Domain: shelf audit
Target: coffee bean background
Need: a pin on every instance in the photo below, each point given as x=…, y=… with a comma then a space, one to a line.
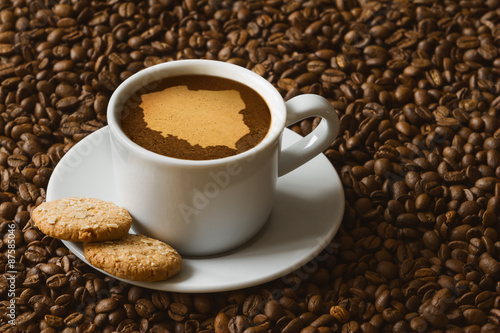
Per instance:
x=416, y=86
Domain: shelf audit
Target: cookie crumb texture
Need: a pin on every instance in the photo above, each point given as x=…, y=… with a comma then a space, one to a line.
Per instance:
x=80, y=219
x=134, y=257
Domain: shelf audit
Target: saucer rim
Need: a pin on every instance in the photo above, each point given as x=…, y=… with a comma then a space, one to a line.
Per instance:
x=226, y=285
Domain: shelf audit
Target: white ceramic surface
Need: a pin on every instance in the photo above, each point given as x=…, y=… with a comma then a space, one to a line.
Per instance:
x=210, y=206
x=307, y=213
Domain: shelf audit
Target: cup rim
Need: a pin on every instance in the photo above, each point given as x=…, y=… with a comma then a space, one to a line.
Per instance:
x=217, y=68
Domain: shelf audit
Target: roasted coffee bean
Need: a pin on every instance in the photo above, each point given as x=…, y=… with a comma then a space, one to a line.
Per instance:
x=50, y=269
x=221, y=323
x=333, y=76
x=294, y=325
x=238, y=324
x=161, y=300
x=145, y=308
x=434, y=315
x=253, y=305
x=418, y=324
x=490, y=266
x=339, y=313
x=106, y=305
x=351, y=327
x=474, y=316
x=36, y=254
x=74, y=319
x=54, y=321
x=176, y=311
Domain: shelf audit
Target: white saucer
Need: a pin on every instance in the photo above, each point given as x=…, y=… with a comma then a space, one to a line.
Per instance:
x=307, y=213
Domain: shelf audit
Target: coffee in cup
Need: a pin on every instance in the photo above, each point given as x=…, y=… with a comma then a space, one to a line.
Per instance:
x=196, y=117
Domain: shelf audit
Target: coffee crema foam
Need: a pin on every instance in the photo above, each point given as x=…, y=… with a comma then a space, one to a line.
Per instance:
x=196, y=117
x=210, y=124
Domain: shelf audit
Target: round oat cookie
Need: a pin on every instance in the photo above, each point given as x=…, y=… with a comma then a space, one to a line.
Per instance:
x=134, y=257
x=82, y=219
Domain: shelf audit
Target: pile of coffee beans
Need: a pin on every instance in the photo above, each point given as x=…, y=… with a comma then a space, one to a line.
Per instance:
x=416, y=85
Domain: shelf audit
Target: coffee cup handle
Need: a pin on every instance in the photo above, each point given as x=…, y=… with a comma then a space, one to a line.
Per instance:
x=299, y=108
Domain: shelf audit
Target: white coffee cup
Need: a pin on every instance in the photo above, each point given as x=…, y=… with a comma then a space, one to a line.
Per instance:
x=211, y=206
